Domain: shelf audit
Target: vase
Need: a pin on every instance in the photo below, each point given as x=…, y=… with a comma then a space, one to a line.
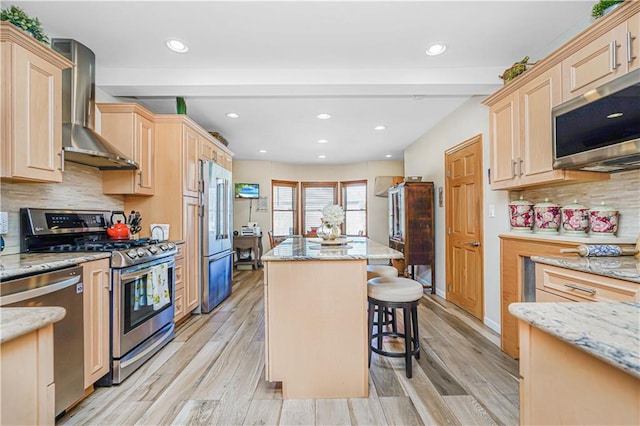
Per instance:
x=327, y=231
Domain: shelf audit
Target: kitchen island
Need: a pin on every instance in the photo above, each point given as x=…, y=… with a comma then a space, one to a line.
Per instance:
x=579, y=362
x=316, y=316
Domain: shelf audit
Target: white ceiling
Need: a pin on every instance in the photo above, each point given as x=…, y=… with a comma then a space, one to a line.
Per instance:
x=280, y=63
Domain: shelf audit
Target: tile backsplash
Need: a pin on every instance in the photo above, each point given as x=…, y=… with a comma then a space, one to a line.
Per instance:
x=81, y=188
x=621, y=191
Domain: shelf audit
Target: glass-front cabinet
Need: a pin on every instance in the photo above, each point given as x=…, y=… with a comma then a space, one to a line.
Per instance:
x=396, y=214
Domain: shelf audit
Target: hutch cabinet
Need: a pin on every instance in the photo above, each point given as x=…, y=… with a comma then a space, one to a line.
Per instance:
x=31, y=104
x=411, y=230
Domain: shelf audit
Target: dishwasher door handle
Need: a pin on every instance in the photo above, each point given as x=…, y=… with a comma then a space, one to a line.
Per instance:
x=40, y=291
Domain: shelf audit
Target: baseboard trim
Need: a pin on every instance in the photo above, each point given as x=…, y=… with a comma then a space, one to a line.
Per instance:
x=492, y=325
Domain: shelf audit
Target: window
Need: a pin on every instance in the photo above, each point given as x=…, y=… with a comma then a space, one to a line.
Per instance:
x=284, y=208
x=354, y=203
x=316, y=195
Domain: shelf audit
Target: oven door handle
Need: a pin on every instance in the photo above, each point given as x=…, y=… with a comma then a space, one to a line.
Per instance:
x=40, y=291
x=144, y=353
x=146, y=271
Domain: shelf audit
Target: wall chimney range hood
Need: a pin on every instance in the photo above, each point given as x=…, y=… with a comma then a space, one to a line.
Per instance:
x=80, y=143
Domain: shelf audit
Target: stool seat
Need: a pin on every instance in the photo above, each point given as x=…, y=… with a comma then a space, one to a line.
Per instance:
x=374, y=271
x=394, y=289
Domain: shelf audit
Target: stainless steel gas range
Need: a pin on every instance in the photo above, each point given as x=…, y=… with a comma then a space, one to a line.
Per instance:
x=142, y=280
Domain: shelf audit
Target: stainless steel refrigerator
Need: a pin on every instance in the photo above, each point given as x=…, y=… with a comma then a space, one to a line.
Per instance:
x=216, y=255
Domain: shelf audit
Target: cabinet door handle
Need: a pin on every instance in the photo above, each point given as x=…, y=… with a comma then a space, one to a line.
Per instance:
x=513, y=169
x=630, y=39
x=61, y=168
x=140, y=173
x=519, y=165
x=614, y=55
x=590, y=291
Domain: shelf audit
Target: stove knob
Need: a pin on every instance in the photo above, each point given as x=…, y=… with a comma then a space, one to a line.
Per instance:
x=132, y=254
x=153, y=249
x=171, y=246
x=164, y=247
x=141, y=252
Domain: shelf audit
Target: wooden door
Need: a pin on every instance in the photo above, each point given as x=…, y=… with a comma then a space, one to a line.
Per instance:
x=37, y=119
x=96, y=298
x=190, y=164
x=504, y=124
x=191, y=254
x=464, y=262
x=144, y=146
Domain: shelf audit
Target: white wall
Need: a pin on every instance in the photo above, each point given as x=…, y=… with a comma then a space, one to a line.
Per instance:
x=263, y=172
x=425, y=158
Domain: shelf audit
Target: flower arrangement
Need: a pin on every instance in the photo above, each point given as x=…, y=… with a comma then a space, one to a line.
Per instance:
x=20, y=19
x=332, y=214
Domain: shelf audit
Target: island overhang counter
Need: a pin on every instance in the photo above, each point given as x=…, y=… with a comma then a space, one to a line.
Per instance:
x=316, y=316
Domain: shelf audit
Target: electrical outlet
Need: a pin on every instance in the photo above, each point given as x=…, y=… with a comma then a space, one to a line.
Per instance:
x=4, y=223
x=492, y=210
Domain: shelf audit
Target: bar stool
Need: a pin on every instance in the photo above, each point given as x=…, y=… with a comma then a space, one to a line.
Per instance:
x=375, y=271
x=395, y=293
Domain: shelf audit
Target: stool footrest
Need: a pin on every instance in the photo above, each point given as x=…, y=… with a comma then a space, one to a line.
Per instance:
x=403, y=354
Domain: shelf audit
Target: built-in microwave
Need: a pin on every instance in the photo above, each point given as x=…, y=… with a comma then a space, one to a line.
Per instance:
x=600, y=130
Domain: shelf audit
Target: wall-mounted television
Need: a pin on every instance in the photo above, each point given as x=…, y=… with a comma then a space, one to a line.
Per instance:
x=247, y=190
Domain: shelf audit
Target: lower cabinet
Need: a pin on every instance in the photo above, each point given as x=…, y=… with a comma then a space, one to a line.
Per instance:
x=191, y=217
x=179, y=308
x=96, y=295
x=561, y=384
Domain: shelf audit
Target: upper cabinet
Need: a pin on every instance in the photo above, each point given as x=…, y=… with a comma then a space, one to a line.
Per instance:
x=521, y=127
x=609, y=56
x=31, y=105
x=129, y=127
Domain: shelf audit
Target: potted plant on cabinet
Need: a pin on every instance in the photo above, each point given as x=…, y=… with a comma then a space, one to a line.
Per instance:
x=20, y=19
x=603, y=7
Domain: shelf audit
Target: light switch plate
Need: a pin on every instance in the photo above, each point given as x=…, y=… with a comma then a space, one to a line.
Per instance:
x=4, y=223
x=492, y=210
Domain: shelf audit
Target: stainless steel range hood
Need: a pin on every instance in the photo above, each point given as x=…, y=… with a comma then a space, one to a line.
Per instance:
x=80, y=143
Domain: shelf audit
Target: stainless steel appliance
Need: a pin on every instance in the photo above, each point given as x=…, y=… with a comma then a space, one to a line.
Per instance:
x=216, y=256
x=600, y=130
x=57, y=288
x=138, y=330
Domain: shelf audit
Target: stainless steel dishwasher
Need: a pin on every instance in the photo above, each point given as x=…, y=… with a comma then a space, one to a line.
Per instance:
x=57, y=288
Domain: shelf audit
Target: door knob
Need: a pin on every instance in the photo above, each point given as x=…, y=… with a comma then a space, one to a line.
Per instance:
x=475, y=243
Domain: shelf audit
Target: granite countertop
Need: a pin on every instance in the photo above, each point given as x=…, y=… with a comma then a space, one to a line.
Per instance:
x=609, y=331
x=15, y=322
x=590, y=239
x=311, y=249
x=621, y=267
x=16, y=265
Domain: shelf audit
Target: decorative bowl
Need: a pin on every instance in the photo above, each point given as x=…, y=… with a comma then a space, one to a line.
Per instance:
x=521, y=215
x=603, y=220
x=575, y=219
x=547, y=216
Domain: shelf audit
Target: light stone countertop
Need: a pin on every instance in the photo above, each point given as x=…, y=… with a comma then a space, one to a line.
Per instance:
x=23, y=264
x=15, y=322
x=609, y=331
x=311, y=249
x=554, y=236
x=620, y=267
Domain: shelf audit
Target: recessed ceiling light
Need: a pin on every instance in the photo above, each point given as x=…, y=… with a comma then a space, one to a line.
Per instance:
x=615, y=115
x=322, y=141
x=232, y=115
x=177, y=46
x=388, y=155
x=436, y=49
x=324, y=116
x=322, y=156
x=262, y=151
x=379, y=127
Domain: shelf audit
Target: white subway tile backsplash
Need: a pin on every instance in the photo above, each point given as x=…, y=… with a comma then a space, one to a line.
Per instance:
x=81, y=188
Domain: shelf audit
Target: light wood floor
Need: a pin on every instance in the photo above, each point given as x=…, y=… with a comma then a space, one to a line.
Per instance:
x=213, y=373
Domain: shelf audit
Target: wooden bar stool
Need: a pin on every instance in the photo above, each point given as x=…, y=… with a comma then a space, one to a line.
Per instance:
x=375, y=271
x=395, y=293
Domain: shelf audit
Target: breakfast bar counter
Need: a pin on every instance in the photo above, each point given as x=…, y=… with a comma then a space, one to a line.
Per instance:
x=316, y=316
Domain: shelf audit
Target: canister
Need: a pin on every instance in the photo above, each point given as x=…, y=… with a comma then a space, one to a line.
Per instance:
x=521, y=215
x=603, y=220
x=547, y=217
x=575, y=219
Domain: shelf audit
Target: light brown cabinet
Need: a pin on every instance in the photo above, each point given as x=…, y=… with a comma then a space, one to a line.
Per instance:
x=609, y=56
x=521, y=136
x=191, y=253
x=129, y=127
x=96, y=299
x=191, y=155
x=561, y=384
x=31, y=104
x=179, y=310
x=27, y=386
